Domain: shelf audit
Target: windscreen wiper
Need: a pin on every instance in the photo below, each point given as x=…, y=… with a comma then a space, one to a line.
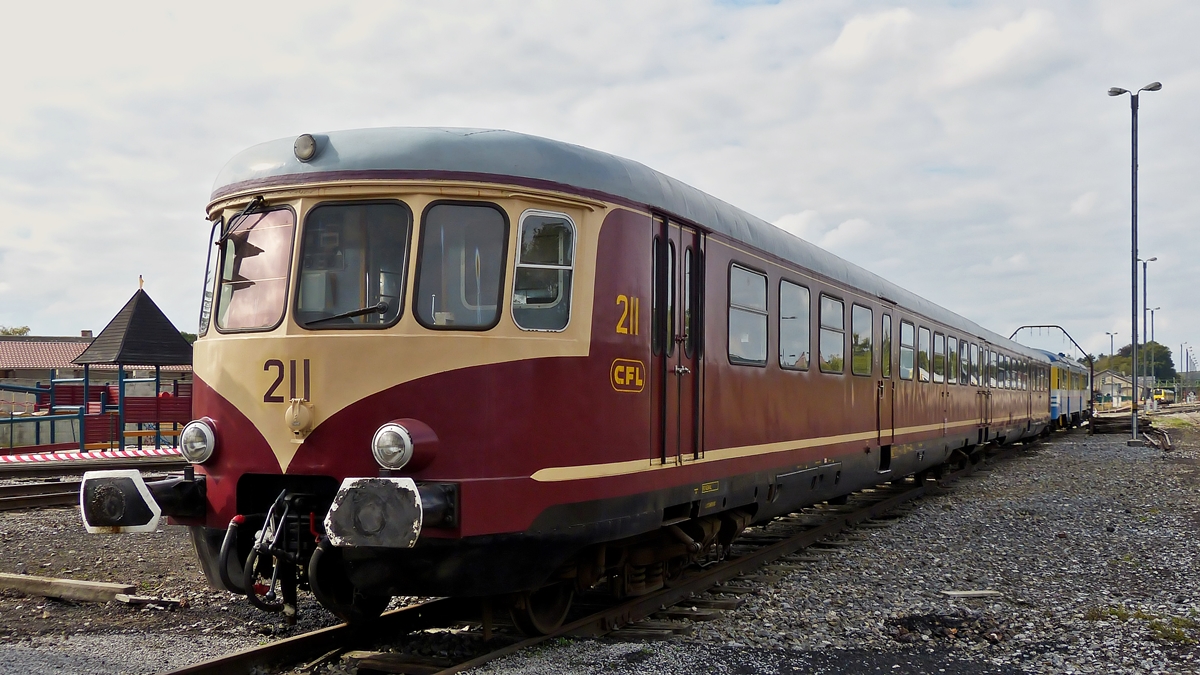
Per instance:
x=381, y=308
x=255, y=203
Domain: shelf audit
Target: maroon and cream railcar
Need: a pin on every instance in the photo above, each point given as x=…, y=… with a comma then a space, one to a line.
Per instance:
x=479, y=363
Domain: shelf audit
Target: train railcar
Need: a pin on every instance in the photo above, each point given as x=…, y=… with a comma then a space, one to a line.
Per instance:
x=481, y=363
x=1070, y=390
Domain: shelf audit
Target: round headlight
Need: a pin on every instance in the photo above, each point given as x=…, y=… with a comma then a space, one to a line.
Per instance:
x=197, y=442
x=392, y=446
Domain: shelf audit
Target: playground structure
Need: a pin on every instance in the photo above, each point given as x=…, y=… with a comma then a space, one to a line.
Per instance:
x=76, y=413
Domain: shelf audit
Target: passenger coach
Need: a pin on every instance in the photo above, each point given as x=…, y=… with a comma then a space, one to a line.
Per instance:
x=478, y=363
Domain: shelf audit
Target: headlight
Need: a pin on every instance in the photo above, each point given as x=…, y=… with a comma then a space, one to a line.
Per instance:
x=197, y=442
x=392, y=446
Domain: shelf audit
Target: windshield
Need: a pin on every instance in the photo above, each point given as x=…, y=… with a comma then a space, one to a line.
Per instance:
x=255, y=257
x=352, y=270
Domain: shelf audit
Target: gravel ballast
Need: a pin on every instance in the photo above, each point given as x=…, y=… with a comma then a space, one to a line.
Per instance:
x=1090, y=544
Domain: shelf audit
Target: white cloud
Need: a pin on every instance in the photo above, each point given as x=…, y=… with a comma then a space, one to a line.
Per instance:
x=867, y=37
x=1014, y=46
x=1084, y=204
x=806, y=224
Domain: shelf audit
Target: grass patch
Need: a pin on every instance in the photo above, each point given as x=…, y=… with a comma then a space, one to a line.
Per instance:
x=1174, y=422
x=1174, y=629
x=1116, y=612
x=1169, y=632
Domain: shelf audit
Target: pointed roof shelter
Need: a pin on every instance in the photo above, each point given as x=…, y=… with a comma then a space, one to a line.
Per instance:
x=139, y=335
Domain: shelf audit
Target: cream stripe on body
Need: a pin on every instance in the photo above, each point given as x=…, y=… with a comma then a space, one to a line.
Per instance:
x=564, y=473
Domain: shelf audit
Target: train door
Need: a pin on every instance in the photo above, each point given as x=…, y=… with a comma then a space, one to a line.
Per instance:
x=984, y=393
x=1027, y=382
x=678, y=298
x=885, y=399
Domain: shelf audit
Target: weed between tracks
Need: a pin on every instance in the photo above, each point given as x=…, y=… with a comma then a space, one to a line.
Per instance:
x=1165, y=628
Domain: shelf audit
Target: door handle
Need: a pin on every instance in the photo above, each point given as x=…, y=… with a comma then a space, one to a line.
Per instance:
x=682, y=370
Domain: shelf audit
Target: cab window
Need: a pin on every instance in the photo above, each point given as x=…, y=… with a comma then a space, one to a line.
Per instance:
x=256, y=254
x=352, y=265
x=461, y=272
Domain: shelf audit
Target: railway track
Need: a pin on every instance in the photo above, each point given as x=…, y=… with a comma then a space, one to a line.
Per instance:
x=38, y=495
x=752, y=558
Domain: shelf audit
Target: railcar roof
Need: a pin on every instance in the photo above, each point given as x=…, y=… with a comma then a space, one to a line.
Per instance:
x=1063, y=359
x=495, y=154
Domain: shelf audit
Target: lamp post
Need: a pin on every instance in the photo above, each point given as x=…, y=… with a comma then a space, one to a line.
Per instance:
x=1133, y=107
x=1110, y=348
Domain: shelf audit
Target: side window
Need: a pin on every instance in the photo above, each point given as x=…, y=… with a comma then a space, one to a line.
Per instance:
x=906, y=350
x=747, y=317
x=794, y=326
x=885, y=346
x=974, y=365
x=690, y=317
x=964, y=363
x=352, y=265
x=993, y=359
x=951, y=360
x=461, y=272
x=541, y=297
x=833, y=335
x=862, y=354
x=923, y=354
x=939, y=357
x=662, y=297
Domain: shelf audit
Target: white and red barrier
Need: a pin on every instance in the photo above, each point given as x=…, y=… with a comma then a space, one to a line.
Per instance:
x=131, y=453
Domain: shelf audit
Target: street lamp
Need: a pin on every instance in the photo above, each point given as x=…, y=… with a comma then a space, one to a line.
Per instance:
x=1110, y=348
x=1133, y=107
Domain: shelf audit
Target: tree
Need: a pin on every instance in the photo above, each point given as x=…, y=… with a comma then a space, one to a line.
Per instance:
x=14, y=330
x=190, y=337
x=1149, y=354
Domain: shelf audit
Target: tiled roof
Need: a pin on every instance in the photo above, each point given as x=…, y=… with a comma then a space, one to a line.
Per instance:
x=140, y=334
x=28, y=351
x=32, y=352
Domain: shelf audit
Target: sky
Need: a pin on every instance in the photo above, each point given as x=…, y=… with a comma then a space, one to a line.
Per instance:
x=964, y=150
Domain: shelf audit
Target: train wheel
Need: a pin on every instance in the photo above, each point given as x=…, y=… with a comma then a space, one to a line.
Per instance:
x=329, y=583
x=542, y=611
